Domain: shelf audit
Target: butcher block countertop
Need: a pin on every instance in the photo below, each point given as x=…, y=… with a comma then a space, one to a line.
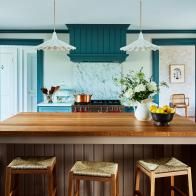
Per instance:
x=92, y=124
x=93, y=128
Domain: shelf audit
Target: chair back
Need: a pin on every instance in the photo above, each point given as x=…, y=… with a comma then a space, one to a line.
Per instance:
x=178, y=99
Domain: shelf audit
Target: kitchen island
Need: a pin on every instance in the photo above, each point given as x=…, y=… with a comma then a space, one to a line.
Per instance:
x=93, y=136
x=93, y=128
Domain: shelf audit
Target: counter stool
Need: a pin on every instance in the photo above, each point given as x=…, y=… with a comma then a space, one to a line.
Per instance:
x=168, y=167
x=41, y=165
x=93, y=171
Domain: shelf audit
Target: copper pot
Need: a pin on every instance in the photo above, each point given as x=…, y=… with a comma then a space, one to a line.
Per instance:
x=83, y=98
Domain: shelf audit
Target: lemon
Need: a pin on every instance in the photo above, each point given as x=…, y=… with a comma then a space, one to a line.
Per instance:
x=160, y=110
x=165, y=107
x=172, y=110
x=153, y=110
x=153, y=107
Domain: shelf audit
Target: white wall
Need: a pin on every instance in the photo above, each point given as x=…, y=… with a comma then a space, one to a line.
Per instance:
x=178, y=55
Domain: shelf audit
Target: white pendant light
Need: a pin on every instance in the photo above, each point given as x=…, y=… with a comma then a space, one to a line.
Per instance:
x=140, y=44
x=55, y=44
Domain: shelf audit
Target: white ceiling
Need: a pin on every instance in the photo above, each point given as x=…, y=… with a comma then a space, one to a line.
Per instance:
x=38, y=14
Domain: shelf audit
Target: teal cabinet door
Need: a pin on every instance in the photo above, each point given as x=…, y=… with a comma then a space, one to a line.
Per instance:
x=54, y=109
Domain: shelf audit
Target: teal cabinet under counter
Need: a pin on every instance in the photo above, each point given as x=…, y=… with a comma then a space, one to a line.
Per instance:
x=54, y=107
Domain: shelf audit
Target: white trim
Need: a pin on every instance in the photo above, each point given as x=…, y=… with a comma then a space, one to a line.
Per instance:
x=25, y=90
x=16, y=99
x=20, y=79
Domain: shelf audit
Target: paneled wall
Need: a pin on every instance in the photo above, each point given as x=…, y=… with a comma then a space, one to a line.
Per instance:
x=125, y=155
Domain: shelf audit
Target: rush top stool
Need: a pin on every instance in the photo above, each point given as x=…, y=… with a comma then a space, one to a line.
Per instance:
x=93, y=171
x=39, y=165
x=167, y=167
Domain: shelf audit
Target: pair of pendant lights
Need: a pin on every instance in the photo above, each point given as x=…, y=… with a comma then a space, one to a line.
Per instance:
x=55, y=44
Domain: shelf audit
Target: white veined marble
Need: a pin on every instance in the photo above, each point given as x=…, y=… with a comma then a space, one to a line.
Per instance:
x=97, y=79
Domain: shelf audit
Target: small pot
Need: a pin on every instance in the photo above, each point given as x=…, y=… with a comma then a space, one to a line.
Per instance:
x=83, y=98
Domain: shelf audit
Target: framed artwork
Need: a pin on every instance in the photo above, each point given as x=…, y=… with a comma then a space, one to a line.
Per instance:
x=177, y=73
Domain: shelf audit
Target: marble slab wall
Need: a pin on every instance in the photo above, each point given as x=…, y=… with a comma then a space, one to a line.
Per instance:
x=97, y=79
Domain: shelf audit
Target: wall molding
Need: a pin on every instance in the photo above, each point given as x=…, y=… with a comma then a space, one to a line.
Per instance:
x=164, y=31
x=155, y=57
x=145, y=31
x=33, y=31
x=40, y=59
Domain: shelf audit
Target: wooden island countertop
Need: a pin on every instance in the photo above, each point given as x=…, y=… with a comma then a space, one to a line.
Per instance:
x=100, y=128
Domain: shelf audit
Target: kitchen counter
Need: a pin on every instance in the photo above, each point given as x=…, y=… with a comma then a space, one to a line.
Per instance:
x=94, y=128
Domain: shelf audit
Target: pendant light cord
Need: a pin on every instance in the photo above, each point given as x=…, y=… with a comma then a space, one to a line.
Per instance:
x=54, y=15
x=140, y=15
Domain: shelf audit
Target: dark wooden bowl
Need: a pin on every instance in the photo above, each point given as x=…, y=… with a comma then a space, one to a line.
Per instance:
x=162, y=119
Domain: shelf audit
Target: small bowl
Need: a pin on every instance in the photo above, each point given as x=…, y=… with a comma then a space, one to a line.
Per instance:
x=162, y=119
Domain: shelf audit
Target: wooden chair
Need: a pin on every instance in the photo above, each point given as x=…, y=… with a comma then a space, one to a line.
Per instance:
x=180, y=101
x=93, y=171
x=41, y=165
x=168, y=167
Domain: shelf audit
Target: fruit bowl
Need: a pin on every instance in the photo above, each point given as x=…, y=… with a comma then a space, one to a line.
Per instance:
x=162, y=119
x=162, y=115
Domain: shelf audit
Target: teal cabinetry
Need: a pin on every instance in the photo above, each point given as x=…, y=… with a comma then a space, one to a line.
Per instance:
x=54, y=109
x=98, y=42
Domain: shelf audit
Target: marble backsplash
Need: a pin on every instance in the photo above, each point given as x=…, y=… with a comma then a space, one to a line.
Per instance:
x=97, y=79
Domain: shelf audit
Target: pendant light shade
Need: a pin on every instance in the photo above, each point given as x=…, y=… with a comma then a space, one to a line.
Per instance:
x=140, y=44
x=54, y=44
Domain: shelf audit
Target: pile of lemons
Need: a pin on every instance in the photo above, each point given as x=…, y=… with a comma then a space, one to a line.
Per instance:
x=161, y=110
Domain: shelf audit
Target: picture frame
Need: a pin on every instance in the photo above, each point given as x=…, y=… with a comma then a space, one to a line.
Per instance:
x=177, y=73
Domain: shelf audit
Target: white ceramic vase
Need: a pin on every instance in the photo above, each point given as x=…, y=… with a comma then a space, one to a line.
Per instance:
x=142, y=112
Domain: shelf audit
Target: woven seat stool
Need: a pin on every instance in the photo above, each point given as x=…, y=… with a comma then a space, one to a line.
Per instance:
x=38, y=165
x=93, y=171
x=167, y=167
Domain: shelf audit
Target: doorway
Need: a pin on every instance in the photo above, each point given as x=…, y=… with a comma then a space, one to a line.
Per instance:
x=25, y=70
x=156, y=63
x=8, y=82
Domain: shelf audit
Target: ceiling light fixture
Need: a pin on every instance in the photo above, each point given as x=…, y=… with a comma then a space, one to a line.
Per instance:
x=140, y=44
x=55, y=44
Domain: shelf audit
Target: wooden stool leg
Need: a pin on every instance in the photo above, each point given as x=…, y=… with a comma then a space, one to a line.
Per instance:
x=190, y=182
x=172, y=185
x=152, y=185
x=137, y=181
x=117, y=184
x=54, y=180
x=70, y=187
x=77, y=188
x=113, y=185
x=50, y=183
x=8, y=181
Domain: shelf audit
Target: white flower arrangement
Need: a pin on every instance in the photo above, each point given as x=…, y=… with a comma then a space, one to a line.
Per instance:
x=137, y=88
